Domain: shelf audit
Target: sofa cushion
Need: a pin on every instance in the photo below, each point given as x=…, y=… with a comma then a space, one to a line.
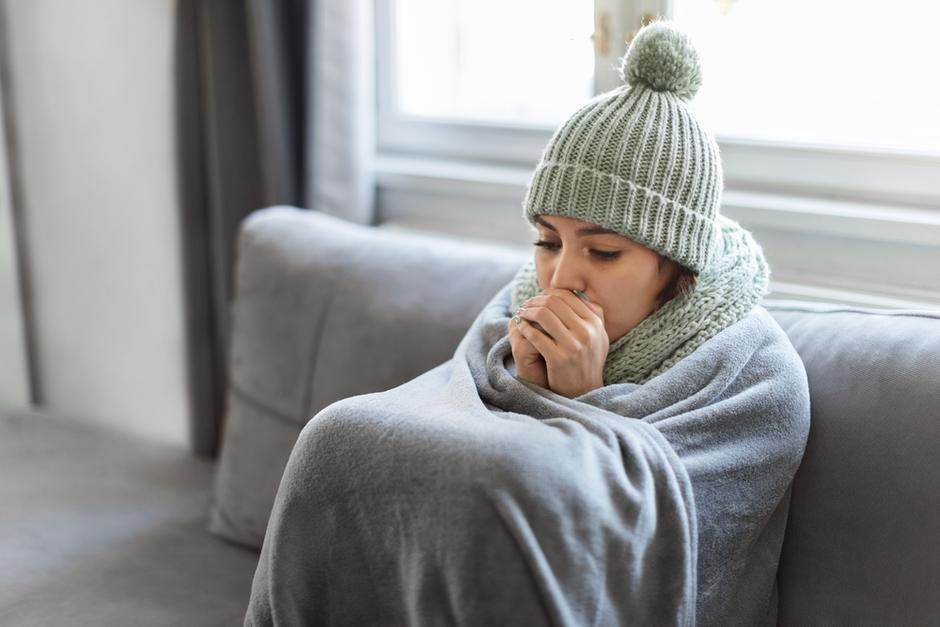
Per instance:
x=322, y=309
x=862, y=545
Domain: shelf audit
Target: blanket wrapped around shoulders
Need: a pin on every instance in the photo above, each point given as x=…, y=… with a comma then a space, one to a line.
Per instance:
x=467, y=496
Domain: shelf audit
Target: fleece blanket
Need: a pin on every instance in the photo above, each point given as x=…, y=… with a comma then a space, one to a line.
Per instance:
x=467, y=496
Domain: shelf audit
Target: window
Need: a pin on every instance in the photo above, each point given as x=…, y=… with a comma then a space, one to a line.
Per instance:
x=833, y=73
x=822, y=112
x=533, y=64
x=455, y=81
x=803, y=97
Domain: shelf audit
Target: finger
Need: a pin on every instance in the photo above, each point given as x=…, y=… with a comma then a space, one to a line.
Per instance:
x=553, y=326
x=515, y=334
x=561, y=310
x=518, y=343
x=570, y=309
x=576, y=330
x=539, y=340
x=581, y=307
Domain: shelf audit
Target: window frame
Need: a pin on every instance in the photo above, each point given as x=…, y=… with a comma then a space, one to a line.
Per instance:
x=827, y=171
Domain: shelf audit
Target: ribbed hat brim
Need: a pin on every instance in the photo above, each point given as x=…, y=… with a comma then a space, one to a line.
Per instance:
x=634, y=211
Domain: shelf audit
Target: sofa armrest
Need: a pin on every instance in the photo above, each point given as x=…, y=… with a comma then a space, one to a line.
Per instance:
x=326, y=309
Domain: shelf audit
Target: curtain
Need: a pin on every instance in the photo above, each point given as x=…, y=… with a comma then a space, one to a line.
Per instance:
x=274, y=106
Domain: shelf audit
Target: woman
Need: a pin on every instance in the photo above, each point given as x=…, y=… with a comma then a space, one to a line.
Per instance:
x=574, y=252
x=619, y=450
x=626, y=201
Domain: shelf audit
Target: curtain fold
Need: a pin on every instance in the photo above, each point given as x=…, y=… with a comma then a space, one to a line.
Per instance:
x=274, y=106
x=277, y=44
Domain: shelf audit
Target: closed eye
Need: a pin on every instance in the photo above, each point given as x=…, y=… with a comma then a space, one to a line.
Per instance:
x=552, y=247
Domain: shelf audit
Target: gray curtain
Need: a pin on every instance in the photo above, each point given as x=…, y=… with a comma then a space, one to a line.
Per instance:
x=244, y=136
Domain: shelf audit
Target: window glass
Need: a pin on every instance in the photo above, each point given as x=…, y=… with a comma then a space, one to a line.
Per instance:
x=845, y=72
x=524, y=61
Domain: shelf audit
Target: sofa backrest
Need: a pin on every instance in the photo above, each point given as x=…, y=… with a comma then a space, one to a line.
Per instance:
x=323, y=305
x=862, y=545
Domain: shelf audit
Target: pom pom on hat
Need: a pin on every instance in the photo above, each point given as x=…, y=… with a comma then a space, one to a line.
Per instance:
x=663, y=58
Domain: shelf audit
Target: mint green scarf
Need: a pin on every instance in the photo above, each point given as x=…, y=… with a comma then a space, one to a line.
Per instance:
x=726, y=292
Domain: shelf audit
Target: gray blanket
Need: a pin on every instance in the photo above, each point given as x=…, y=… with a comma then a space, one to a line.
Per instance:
x=468, y=497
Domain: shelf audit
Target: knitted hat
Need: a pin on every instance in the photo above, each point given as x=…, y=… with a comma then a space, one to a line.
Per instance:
x=635, y=160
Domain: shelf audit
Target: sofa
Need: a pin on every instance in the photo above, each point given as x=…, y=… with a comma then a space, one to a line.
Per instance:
x=101, y=529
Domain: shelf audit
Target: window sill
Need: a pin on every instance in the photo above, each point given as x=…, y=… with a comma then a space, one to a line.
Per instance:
x=882, y=252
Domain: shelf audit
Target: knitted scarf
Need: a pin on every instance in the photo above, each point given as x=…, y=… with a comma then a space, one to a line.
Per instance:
x=726, y=291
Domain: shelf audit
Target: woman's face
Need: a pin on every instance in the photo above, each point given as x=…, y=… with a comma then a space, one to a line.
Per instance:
x=617, y=273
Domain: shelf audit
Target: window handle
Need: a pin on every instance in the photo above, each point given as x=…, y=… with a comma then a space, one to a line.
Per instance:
x=601, y=36
x=645, y=19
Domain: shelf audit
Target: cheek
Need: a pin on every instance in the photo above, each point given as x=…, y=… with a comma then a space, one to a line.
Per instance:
x=629, y=293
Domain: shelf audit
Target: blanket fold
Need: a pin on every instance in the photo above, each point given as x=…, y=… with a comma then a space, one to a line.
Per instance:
x=469, y=497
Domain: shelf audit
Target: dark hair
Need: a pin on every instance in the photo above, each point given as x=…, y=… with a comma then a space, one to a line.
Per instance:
x=683, y=280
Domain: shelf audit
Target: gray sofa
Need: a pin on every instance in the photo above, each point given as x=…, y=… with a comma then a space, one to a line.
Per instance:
x=115, y=532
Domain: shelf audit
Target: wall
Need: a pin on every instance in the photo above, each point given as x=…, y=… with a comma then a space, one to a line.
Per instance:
x=14, y=377
x=90, y=94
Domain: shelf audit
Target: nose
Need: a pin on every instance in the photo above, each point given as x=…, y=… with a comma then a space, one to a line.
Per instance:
x=570, y=270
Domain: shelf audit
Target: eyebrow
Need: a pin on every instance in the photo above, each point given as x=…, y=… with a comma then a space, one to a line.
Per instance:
x=586, y=230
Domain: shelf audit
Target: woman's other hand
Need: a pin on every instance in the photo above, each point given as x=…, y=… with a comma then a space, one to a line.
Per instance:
x=530, y=365
x=569, y=334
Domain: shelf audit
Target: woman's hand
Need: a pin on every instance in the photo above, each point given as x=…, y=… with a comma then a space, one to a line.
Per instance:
x=572, y=340
x=530, y=365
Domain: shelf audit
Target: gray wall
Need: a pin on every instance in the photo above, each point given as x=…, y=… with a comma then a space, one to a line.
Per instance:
x=91, y=98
